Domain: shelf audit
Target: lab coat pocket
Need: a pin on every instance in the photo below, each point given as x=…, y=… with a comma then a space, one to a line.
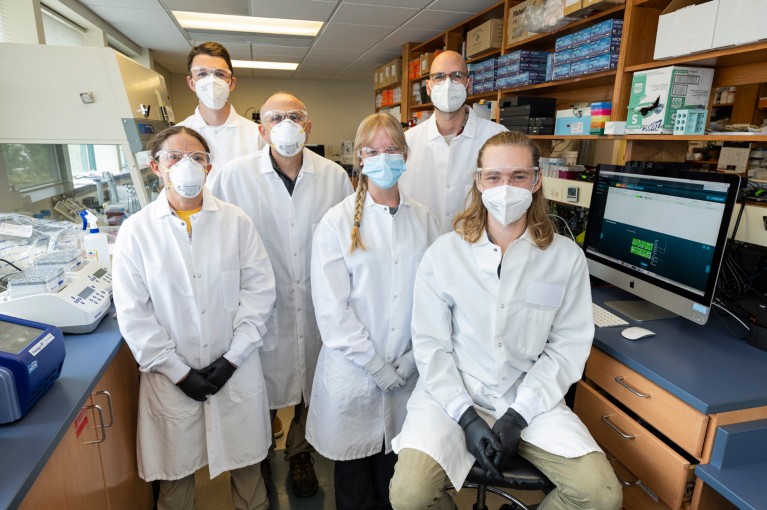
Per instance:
x=230, y=287
x=247, y=382
x=342, y=377
x=536, y=326
x=163, y=400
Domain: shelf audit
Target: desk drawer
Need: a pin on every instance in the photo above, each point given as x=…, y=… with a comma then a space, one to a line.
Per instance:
x=662, y=470
x=678, y=421
x=635, y=497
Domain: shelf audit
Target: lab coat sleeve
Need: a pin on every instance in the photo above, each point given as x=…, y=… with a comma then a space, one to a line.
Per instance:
x=150, y=343
x=339, y=326
x=257, y=294
x=432, y=339
x=564, y=356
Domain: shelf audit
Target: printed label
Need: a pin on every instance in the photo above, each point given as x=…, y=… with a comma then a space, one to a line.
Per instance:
x=39, y=346
x=9, y=229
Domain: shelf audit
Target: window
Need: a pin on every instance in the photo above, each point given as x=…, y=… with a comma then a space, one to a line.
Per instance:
x=11, y=12
x=60, y=31
x=30, y=166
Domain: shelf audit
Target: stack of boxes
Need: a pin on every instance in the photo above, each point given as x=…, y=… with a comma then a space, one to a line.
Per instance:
x=388, y=74
x=530, y=115
x=590, y=50
x=600, y=114
x=520, y=68
x=482, y=76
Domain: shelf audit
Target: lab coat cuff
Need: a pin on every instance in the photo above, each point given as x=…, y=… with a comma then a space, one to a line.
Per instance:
x=456, y=407
x=375, y=364
x=240, y=348
x=527, y=404
x=173, y=368
x=363, y=358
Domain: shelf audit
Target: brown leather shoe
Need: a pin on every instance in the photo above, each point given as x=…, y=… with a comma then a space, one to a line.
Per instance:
x=277, y=427
x=302, y=476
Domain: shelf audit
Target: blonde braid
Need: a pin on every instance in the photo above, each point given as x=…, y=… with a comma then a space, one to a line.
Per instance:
x=359, y=202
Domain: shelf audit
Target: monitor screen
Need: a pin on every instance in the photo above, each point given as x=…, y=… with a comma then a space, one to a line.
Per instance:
x=660, y=235
x=319, y=149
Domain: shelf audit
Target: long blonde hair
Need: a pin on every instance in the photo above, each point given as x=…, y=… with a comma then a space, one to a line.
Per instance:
x=472, y=221
x=366, y=131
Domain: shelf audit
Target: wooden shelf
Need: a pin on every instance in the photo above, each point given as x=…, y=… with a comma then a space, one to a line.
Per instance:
x=485, y=54
x=576, y=137
x=587, y=80
x=747, y=54
x=655, y=4
x=701, y=138
x=391, y=86
x=493, y=94
x=388, y=106
x=421, y=107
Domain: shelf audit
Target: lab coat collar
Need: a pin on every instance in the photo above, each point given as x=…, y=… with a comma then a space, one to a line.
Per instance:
x=307, y=165
x=197, y=122
x=485, y=240
x=163, y=207
x=403, y=200
x=469, y=130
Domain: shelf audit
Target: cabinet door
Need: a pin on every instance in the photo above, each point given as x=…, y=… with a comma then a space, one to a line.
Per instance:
x=72, y=479
x=118, y=453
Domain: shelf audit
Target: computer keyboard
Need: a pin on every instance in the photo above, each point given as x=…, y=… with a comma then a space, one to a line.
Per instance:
x=606, y=319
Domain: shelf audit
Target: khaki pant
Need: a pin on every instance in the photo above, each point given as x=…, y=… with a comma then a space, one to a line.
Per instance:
x=295, y=442
x=248, y=491
x=586, y=482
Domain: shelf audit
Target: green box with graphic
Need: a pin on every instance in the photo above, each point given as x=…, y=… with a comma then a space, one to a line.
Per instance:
x=657, y=94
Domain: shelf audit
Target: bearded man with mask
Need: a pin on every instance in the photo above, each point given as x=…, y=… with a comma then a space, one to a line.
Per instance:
x=211, y=77
x=286, y=189
x=443, y=149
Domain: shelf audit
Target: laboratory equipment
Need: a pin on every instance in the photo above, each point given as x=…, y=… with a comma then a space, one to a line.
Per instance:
x=75, y=305
x=659, y=235
x=95, y=243
x=31, y=357
x=70, y=260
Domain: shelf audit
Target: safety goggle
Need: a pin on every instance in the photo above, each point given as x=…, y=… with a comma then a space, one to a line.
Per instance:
x=371, y=152
x=277, y=116
x=200, y=72
x=456, y=77
x=512, y=176
x=173, y=156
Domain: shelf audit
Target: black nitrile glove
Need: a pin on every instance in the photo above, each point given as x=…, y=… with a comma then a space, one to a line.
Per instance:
x=480, y=441
x=508, y=429
x=218, y=372
x=196, y=386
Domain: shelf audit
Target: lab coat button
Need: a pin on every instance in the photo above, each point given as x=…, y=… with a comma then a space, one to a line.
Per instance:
x=503, y=306
x=393, y=329
x=206, y=346
x=199, y=275
x=388, y=358
x=448, y=186
x=300, y=336
x=500, y=344
x=299, y=309
x=504, y=378
x=203, y=312
x=395, y=296
x=396, y=261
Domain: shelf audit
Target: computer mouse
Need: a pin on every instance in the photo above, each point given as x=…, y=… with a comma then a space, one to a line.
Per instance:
x=635, y=333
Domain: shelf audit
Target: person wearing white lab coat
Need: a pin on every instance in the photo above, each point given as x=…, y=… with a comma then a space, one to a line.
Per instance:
x=364, y=257
x=211, y=77
x=443, y=149
x=502, y=327
x=193, y=288
x=286, y=189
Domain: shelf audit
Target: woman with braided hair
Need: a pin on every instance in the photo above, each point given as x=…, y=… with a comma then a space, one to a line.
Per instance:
x=364, y=258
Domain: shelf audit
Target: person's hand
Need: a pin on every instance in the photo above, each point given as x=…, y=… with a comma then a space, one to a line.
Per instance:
x=481, y=442
x=508, y=429
x=405, y=365
x=196, y=386
x=384, y=374
x=218, y=372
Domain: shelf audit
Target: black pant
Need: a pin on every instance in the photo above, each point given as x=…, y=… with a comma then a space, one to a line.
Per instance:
x=363, y=484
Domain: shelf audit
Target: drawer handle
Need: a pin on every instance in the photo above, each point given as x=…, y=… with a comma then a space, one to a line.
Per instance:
x=111, y=407
x=606, y=419
x=619, y=380
x=100, y=412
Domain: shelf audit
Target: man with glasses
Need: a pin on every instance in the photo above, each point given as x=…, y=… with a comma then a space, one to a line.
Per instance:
x=443, y=149
x=211, y=77
x=286, y=189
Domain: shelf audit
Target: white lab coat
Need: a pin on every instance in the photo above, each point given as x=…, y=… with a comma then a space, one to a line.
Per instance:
x=183, y=303
x=440, y=175
x=516, y=341
x=286, y=224
x=234, y=138
x=363, y=303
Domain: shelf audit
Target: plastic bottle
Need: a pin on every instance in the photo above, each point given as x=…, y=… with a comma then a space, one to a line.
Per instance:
x=95, y=243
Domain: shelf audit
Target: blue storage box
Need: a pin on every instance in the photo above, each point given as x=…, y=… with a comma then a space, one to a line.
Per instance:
x=580, y=67
x=612, y=27
x=564, y=42
x=603, y=62
x=573, y=122
x=561, y=71
x=563, y=56
x=581, y=37
x=606, y=44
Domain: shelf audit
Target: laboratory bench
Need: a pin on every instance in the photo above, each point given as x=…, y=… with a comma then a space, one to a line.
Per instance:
x=657, y=406
x=59, y=455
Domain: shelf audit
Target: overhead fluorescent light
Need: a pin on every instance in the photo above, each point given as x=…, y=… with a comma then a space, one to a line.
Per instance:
x=249, y=24
x=255, y=64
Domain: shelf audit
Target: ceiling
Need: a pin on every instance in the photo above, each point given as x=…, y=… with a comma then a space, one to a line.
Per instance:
x=357, y=35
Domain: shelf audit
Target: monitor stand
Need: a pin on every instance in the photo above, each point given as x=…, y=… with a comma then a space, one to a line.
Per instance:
x=640, y=310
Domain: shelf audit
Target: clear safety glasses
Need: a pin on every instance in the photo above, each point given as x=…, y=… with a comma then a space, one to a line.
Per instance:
x=512, y=176
x=456, y=77
x=169, y=158
x=371, y=152
x=200, y=72
x=273, y=117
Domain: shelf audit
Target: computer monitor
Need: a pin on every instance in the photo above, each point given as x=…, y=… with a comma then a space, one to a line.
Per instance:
x=319, y=149
x=661, y=236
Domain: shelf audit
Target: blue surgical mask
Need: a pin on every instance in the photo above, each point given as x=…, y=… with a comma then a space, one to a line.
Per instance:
x=385, y=169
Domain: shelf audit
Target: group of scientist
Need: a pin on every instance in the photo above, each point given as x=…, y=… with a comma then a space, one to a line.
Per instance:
x=429, y=320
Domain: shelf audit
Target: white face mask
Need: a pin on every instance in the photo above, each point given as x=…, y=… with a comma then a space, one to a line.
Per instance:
x=287, y=138
x=507, y=203
x=186, y=177
x=448, y=96
x=212, y=91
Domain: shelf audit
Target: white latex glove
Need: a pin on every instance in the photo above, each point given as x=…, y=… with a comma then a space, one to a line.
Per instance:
x=405, y=365
x=384, y=374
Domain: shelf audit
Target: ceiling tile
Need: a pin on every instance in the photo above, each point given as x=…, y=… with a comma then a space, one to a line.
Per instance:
x=232, y=7
x=416, y=4
x=348, y=34
x=407, y=34
x=312, y=10
x=436, y=20
x=316, y=52
x=135, y=4
x=373, y=15
x=473, y=7
x=277, y=51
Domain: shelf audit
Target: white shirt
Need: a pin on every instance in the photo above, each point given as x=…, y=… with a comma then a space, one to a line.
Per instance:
x=516, y=341
x=363, y=301
x=234, y=138
x=440, y=175
x=286, y=224
x=182, y=304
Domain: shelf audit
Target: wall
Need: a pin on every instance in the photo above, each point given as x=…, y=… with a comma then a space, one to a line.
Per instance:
x=335, y=107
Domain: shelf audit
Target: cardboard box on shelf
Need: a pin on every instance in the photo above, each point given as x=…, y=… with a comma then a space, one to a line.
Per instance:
x=518, y=29
x=657, y=94
x=395, y=70
x=426, y=60
x=486, y=36
x=742, y=22
x=573, y=121
x=685, y=27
